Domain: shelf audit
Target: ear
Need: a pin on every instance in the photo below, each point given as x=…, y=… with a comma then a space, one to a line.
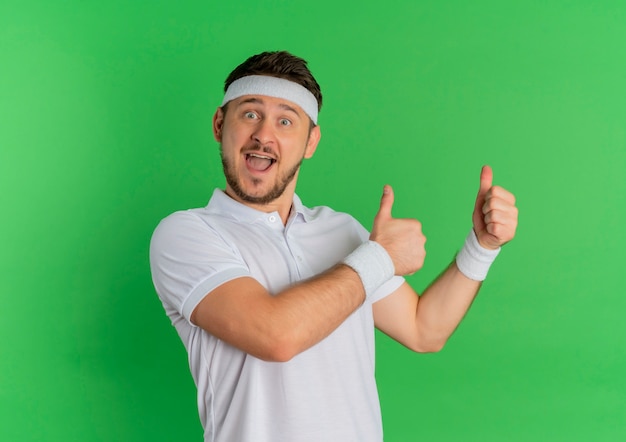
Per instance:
x=218, y=123
x=311, y=144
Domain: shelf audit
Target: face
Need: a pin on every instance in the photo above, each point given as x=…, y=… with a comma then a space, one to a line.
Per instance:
x=263, y=142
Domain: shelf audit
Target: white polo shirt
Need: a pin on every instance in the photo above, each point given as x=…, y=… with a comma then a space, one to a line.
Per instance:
x=326, y=393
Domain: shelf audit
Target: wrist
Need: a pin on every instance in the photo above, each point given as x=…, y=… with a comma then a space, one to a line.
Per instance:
x=474, y=260
x=373, y=265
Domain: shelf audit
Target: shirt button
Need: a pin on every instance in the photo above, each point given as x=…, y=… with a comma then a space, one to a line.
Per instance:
x=272, y=218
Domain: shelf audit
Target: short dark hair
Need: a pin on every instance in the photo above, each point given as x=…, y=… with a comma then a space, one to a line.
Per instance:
x=279, y=64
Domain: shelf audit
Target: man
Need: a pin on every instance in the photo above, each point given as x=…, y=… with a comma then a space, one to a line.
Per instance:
x=276, y=303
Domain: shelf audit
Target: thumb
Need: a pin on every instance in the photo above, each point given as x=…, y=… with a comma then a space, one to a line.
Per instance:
x=386, y=203
x=486, y=180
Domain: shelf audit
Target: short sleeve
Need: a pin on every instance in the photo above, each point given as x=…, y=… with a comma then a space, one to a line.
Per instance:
x=188, y=259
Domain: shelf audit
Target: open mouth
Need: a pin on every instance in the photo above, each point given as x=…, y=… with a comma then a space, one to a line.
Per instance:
x=259, y=162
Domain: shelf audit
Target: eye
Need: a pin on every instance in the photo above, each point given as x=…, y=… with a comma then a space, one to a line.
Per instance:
x=250, y=115
x=284, y=122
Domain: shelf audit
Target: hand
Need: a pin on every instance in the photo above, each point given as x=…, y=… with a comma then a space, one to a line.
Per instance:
x=495, y=214
x=402, y=238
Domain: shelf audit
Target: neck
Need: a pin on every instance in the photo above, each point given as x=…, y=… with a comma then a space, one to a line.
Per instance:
x=282, y=204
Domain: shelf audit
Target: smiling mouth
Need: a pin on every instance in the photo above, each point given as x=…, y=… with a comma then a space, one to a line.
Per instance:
x=259, y=162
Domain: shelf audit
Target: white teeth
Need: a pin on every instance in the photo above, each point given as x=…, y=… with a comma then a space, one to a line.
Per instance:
x=259, y=156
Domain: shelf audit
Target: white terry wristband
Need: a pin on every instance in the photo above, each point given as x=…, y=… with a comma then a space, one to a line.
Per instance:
x=474, y=260
x=373, y=265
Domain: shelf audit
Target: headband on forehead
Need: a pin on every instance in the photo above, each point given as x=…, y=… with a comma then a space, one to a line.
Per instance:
x=273, y=87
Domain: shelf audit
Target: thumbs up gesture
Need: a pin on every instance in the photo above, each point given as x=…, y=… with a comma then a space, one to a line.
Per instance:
x=402, y=238
x=495, y=214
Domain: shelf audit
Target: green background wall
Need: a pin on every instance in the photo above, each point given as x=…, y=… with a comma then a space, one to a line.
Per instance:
x=105, y=111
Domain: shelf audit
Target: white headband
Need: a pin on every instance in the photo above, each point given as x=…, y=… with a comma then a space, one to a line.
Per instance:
x=273, y=87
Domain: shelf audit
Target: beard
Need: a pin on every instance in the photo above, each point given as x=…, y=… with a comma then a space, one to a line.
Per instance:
x=273, y=193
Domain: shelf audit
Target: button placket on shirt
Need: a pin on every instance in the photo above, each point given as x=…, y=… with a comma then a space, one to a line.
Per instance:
x=296, y=252
x=273, y=221
x=275, y=225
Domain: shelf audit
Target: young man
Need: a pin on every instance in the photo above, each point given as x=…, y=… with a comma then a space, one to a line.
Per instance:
x=276, y=303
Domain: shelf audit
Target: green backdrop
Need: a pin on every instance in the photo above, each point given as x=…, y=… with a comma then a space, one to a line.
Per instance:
x=105, y=111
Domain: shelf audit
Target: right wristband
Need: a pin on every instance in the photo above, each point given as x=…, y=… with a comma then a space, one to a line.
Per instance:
x=373, y=265
x=474, y=260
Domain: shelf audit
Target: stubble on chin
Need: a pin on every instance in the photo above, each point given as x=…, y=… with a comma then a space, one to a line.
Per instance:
x=272, y=194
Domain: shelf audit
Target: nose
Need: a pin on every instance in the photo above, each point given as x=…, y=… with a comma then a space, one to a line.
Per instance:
x=263, y=132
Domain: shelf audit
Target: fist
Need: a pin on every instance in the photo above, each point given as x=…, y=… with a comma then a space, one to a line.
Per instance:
x=401, y=238
x=495, y=214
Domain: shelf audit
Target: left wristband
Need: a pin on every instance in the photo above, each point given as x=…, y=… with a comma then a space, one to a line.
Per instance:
x=474, y=260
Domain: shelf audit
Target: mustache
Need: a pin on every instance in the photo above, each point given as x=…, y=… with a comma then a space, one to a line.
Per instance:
x=257, y=147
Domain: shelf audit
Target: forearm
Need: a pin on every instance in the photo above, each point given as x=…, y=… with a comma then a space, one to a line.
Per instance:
x=311, y=310
x=443, y=305
x=304, y=314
